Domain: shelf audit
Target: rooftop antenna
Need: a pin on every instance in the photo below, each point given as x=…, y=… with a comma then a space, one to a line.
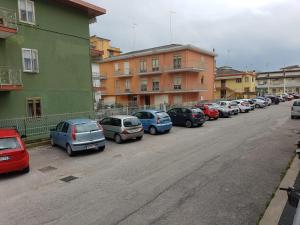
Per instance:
x=171, y=31
x=134, y=36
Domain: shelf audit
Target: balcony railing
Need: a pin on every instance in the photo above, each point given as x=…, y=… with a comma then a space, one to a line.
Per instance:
x=10, y=79
x=189, y=66
x=172, y=88
x=124, y=91
x=120, y=73
x=151, y=71
x=8, y=23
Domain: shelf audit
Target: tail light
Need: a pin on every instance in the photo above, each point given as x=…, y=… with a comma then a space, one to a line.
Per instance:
x=158, y=120
x=74, y=132
x=194, y=115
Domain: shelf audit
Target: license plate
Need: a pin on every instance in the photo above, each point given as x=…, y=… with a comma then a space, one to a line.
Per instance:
x=4, y=158
x=91, y=147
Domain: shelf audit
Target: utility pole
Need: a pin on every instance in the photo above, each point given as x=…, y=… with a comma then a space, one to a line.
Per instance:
x=171, y=32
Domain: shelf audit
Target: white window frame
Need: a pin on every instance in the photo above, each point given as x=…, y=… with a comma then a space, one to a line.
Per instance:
x=117, y=67
x=32, y=51
x=33, y=13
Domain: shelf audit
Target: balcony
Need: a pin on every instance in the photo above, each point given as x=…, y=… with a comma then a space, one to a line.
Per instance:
x=172, y=88
x=8, y=23
x=152, y=71
x=10, y=79
x=121, y=74
x=125, y=91
x=189, y=66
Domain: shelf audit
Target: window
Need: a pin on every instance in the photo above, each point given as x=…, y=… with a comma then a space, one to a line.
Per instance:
x=177, y=62
x=177, y=99
x=30, y=60
x=177, y=83
x=127, y=85
x=117, y=68
x=115, y=122
x=155, y=64
x=26, y=11
x=246, y=89
x=155, y=85
x=106, y=121
x=126, y=68
x=246, y=79
x=59, y=126
x=238, y=80
x=96, y=82
x=143, y=66
x=65, y=128
x=202, y=80
x=144, y=85
x=34, y=107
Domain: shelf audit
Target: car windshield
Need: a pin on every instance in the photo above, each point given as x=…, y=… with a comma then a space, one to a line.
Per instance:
x=162, y=114
x=86, y=127
x=296, y=103
x=9, y=143
x=131, y=122
x=196, y=110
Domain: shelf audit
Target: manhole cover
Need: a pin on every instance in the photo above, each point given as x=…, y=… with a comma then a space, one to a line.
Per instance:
x=68, y=178
x=47, y=169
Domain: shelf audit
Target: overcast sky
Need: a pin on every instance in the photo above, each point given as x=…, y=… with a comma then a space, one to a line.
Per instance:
x=246, y=34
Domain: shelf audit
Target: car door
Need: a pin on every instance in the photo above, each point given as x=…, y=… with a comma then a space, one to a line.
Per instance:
x=56, y=133
x=173, y=115
x=106, y=124
x=142, y=118
x=64, y=134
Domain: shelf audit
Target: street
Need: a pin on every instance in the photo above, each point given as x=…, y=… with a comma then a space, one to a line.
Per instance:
x=222, y=173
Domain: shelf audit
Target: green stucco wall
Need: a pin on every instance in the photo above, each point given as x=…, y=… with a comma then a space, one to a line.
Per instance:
x=61, y=36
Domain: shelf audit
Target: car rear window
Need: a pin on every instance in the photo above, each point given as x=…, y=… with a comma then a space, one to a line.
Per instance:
x=131, y=122
x=196, y=110
x=162, y=114
x=9, y=143
x=296, y=103
x=86, y=127
x=233, y=104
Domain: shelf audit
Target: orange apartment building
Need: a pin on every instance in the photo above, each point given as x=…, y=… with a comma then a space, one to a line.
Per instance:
x=171, y=74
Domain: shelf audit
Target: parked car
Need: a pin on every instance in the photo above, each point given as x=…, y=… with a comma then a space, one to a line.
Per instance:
x=274, y=99
x=230, y=105
x=78, y=135
x=154, y=121
x=122, y=128
x=268, y=101
x=259, y=103
x=223, y=111
x=209, y=112
x=281, y=98
x=295, y=112
x=251, y=103
x=188, y=117
x=243, y=106
x=13, y=153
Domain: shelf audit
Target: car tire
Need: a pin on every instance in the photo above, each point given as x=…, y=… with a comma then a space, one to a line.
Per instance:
x=216, y=118
x=118, y=139
x=101, y=149
x=152, y=130
x=167, y=131
x=292, y=117
x=52, y=142
x=257, y=106
x=26, y=170
x=207, y=117
x=70, y=152
x=188, y=124
x=139, y=138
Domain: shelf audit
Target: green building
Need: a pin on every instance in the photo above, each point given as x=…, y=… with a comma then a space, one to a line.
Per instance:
x=45, y=65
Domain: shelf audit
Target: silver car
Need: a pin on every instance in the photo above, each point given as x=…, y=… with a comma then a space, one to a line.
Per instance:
x=122, y=128
x=295, y=109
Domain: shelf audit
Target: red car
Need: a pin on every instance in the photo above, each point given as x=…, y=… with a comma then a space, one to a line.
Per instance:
x=209, y=113
x=13, y=153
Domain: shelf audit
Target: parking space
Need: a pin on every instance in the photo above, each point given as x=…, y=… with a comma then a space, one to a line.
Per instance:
x=188, y=176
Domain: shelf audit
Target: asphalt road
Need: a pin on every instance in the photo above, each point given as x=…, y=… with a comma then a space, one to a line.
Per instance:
x=219, y=174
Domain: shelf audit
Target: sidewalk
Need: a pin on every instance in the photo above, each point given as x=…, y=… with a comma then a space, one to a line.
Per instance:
x=279, y=212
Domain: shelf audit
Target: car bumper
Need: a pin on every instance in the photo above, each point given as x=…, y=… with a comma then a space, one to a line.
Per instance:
x=198, y=121
x=164, y=127
x=11, y=166
x=132, y=136
x=295, y=113
x=82, y=146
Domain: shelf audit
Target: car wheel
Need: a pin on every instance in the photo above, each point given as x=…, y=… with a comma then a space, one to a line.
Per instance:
x=52, y=142
x=152, y=130
x=69, y=150
x=207, y=117
x=292, y=117
x=118, y=139
x=216, y=118
x=188, y=124
x=26, y=170
x=257, y=106
x=167, y=131
x=101, y=149
x=139, y=138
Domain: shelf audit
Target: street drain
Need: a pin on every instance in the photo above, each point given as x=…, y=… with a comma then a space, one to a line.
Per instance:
x=68, y=178
x=47, y=169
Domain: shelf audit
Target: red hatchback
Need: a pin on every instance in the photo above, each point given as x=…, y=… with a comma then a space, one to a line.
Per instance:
x=13, y=153
x=210, y=113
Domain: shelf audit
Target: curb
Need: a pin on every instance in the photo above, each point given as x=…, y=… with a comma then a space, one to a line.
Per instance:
x=273, y=212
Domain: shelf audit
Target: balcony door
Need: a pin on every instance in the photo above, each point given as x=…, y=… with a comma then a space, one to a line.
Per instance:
x=126, y=68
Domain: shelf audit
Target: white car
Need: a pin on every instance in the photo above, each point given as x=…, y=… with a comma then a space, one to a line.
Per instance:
x=230, y=105
x=243, y=106
x=295, y=109
x=259, y=103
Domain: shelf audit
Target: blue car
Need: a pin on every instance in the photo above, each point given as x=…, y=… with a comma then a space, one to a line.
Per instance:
x=154, y=121
x=78, y=135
